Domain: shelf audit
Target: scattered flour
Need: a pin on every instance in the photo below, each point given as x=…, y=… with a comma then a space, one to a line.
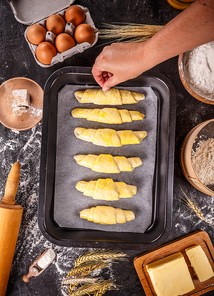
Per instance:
x=199, y=70
x=35, y=112
x=203, y=161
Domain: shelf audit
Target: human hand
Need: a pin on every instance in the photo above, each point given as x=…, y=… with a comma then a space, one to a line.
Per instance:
x=118, y=63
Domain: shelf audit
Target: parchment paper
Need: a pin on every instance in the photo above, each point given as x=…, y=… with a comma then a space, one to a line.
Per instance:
x=68, y=202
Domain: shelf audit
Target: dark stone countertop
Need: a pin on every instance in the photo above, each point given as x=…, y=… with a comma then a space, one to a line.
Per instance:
x=16, y=60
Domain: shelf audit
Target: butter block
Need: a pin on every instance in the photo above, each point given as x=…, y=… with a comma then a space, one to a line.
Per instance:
x=21, y=98
x=199, y=263
x=170, y=276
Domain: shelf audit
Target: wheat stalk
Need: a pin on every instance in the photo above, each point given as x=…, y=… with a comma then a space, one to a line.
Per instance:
x=89, y=288
x=79, y=280
x=129, y=32
x=106, y=287
x=99, y=255
x=87, y=268
x=84, y=265
x=191, y=205
x=76, y=281
x=84, y=270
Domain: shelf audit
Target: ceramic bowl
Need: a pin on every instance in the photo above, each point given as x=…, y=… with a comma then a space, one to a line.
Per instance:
x=29, y=118
x=185, y=83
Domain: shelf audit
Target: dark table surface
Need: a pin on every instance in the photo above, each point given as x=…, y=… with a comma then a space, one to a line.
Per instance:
x=16, y=60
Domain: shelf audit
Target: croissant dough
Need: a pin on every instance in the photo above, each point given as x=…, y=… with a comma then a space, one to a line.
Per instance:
x=107, y=215
x=106, y=189
x=107, y=115
x=113, y=96
x=106, y=163
x=109, y=137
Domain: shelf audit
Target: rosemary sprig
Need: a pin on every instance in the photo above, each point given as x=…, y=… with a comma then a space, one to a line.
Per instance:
x=100, y=255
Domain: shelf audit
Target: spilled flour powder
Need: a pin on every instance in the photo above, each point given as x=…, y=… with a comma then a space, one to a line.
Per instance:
x=203, y=161
x=25, y=147
x=199, y=70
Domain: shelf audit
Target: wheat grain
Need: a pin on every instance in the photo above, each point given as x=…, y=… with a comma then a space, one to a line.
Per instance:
x=78, y=280
x=85, y=269
x=106, y=287
x=191, y=205
x=129, y=32
x=89, y=288
x=100, y=255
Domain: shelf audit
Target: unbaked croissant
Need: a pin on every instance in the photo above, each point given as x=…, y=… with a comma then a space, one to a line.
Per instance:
x=107, y=115
x=113, y=96
x=106, y=163
x=109, y=137
x=106, y=189
x=107, y=215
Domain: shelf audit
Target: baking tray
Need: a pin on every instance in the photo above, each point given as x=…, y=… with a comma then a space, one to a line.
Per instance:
x=164, y=164
x=200, y=238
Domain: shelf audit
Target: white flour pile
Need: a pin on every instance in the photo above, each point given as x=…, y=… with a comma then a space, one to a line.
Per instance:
x=199, y=70
x=203, y=162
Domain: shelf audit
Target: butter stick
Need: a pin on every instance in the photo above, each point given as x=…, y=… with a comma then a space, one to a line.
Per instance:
x=199, y=263
x=170, y=276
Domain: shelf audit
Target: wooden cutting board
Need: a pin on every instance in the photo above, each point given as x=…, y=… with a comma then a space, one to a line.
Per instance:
x=197, y=238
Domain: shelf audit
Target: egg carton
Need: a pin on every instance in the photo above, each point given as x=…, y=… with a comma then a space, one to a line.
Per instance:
x=78, y=48
x=24, y=12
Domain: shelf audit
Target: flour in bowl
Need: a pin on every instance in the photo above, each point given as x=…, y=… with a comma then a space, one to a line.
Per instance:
x=203, y=161
x=199, y=70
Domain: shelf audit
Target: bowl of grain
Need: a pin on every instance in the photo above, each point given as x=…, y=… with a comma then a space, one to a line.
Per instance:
x=197, y=157
x=196, y=71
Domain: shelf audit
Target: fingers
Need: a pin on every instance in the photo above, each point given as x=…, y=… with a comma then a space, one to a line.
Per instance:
x=100, y=68
x=107, y=82
x=106, y=75
x=110, y=82
x=108, y=69
x=102, y=78
x=98, y=75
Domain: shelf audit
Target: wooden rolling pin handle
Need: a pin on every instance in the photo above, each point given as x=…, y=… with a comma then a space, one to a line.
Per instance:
x=12, y=185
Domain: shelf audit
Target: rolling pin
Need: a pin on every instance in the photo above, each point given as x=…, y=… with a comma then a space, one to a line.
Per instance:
x=10, y=219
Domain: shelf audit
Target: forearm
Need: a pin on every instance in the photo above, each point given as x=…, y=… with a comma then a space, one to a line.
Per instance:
x=191, y=28
x=122, y=61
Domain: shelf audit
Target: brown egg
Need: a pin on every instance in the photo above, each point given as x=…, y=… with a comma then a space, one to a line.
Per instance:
x=84, y=33
x=55, y=23
x=45, y=51
x=36, y=34
x=64, y=42
x=75, y=15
